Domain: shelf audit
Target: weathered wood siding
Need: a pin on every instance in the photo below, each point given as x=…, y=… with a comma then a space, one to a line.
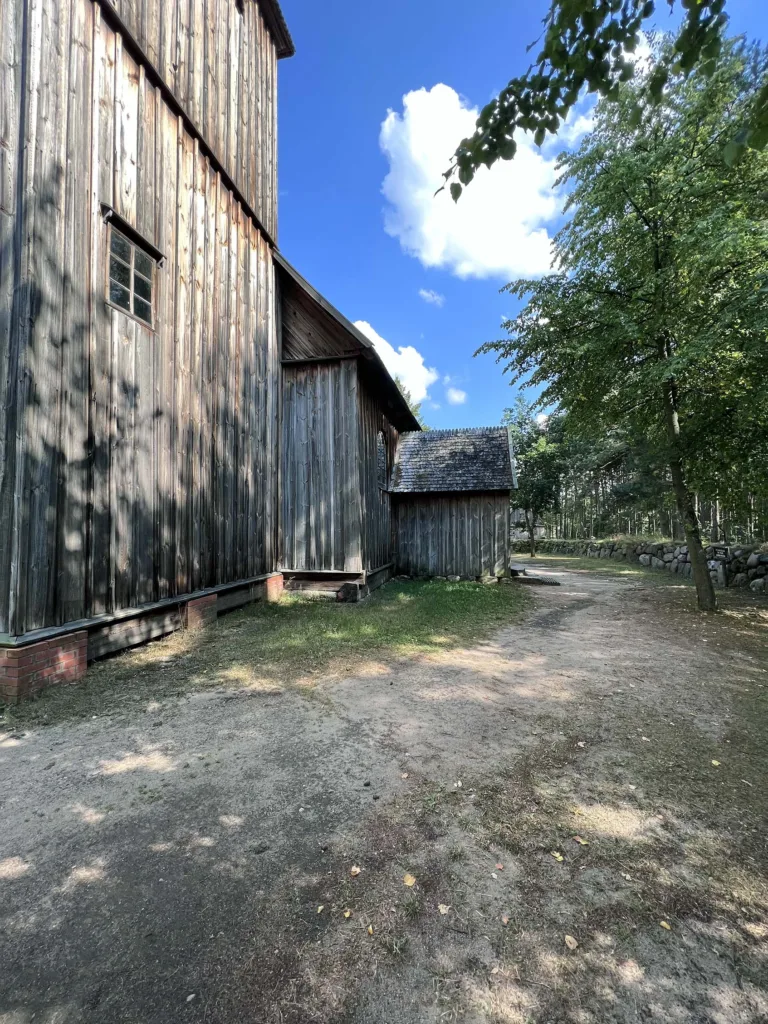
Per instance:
x=220, y=63
x=377, y=529
x=11, y=143
x=143, y=462
x=310, y=332
x=457, y=534
x=321, y=512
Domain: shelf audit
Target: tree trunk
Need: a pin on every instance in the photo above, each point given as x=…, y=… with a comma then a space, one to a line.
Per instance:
x=530, y=519
x=705, y=591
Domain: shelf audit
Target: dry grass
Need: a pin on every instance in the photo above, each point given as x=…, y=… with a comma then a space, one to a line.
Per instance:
x=268, y=647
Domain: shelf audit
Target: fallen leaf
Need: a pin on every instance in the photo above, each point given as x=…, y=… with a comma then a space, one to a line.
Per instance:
x=494, y=970
x=570, y=942
x=558, y=856
x=581, y=743
x=404, y=775
x=494, y=875
x=747, y=783
x=580, y=841
x=665, y=925
x=457, y=785
x=370, y=929
x=443, y=908
x=354, y=871
x=347, y=914
x=321, y=908
x=409, y=880
x=645, y=739
x=628, y=877
x=716, y=764
x=499, y=867
x=505, y=920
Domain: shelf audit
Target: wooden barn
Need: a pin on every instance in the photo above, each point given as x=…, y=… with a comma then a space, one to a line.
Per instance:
x=184, y=421
x=450, y=493
x=342, y=415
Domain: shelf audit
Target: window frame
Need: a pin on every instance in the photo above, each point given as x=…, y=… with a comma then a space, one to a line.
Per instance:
x=116, y=223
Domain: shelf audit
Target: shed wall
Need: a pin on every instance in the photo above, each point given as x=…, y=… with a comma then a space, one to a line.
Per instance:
x=144, y=461
x=458, y=534
x=320, y=478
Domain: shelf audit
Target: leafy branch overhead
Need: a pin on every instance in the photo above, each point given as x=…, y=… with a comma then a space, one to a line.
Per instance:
x=587, y=44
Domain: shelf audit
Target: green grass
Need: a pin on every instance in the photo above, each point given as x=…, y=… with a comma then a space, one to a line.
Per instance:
x=605, y=566
x=267, y=647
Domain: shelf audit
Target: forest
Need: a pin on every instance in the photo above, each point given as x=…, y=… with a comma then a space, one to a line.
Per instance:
x=644, y=350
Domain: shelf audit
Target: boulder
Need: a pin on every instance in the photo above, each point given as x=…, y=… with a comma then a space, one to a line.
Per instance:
x=645, y=559
x=758, y=585
x=754, y=560
x=668, y=556
x=657, y=563
x=740, y=580
x=454, y=579
x=757, y=573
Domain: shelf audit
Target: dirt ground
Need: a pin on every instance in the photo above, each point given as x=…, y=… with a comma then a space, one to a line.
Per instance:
x=596, y=771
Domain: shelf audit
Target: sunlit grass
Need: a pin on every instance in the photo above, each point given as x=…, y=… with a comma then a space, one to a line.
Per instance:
x=268, y=647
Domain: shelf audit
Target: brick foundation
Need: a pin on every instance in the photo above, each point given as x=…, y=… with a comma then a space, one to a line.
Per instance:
x=25, y=671
x=201, y=612
x=274, y=587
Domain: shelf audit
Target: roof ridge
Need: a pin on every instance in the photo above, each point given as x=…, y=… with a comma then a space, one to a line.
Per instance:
x=453, y=430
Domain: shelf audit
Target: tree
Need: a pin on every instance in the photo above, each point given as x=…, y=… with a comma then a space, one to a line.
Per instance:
x=538, y=461
x=587, y=45
x=656, y=319
x=415, y=407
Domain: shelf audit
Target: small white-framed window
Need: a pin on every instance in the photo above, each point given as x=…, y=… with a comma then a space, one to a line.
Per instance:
x=132, y=273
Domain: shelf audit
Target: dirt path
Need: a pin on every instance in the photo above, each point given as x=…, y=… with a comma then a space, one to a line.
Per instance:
x=192, y=861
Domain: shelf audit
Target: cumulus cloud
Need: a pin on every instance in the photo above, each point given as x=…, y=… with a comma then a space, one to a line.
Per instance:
x=405, y=362
x=433, y=298
x=455, y=396
x=501, y=226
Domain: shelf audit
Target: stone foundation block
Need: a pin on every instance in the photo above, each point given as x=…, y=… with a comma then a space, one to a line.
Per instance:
x=274, y=586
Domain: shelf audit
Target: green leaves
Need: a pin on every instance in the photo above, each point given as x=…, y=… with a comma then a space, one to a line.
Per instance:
x=585, y=46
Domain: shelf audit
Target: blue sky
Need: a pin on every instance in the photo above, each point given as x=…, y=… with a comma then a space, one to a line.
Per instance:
x=373, y=100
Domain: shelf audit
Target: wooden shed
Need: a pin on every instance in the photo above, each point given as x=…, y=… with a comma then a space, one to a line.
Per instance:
x=450, y=493
x=342, y=415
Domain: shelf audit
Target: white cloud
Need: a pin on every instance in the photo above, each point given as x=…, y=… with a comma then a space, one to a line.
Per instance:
x=501, y=225
x=405, y=362
x=433, y=298
x=456, y=396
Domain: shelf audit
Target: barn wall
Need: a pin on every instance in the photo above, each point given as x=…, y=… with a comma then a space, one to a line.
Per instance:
x=320, y=481
x=377, y=530
x=221, y=66
x=456, y=534
x=12, y=67
x=145, y=461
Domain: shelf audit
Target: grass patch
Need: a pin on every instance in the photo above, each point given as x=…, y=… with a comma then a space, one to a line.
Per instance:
x=267, y=647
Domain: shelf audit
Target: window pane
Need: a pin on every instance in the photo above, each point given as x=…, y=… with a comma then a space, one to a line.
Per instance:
x=121, y=246
x=142, y=309
x=143, y=264
x=119, y=295
x=119, y=272
x=142, y=288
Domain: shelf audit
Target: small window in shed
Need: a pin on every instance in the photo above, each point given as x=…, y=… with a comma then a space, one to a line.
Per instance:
x=131, y=277
x=381, y=459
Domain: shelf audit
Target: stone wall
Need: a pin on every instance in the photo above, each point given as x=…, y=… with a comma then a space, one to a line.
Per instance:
x=728, y=566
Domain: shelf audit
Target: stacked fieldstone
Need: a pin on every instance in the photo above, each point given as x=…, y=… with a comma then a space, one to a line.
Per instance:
x=728, y=566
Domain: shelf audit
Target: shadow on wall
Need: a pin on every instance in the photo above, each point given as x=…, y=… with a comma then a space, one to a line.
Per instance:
x=135, y=465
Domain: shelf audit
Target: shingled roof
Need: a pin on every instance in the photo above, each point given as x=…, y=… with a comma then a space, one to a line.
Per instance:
x=471, y=459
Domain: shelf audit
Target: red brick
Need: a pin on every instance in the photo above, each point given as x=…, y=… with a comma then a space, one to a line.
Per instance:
x=29, y=669
x=200, y=612
x=274, y=587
